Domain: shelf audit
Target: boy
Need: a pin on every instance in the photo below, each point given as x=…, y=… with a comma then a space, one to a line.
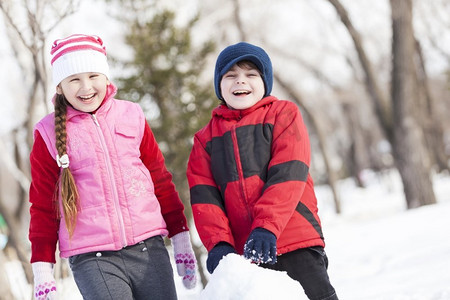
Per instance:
x=251, y=192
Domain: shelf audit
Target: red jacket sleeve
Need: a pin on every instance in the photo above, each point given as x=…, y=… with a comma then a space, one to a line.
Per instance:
x=171, y=206
x=44, y=223
x=290, y=147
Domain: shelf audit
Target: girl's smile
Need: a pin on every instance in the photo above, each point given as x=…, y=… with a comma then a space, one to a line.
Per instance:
x=84, y=91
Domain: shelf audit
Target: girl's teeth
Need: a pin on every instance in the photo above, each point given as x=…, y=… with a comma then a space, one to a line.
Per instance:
x=86, y=97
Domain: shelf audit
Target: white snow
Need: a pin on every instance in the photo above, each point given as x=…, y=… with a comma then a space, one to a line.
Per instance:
x=377, y=250
x=247, y=281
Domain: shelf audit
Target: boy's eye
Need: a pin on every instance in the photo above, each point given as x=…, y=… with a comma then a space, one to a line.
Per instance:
x=93, y=75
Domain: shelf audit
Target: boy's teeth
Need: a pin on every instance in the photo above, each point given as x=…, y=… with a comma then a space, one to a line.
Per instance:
x=240, y=92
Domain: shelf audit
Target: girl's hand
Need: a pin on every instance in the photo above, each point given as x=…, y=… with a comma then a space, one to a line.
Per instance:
x=185, y=258
x=44, y=281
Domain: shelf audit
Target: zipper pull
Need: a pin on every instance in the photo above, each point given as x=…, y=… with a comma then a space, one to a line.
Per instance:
x=95, y=120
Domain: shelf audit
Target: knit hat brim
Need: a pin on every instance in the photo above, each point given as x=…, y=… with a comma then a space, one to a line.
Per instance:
x=79, y=62
x=243, y=52
x=248, y=57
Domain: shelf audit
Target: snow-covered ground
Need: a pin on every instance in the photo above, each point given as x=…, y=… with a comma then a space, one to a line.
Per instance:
x=377, y=250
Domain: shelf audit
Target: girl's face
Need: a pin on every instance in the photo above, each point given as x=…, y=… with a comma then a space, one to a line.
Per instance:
x=242, y=87
x=84, y=91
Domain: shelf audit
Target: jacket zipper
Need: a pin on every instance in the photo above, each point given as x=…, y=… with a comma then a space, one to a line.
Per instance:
x=113, y=184
x=239, y=170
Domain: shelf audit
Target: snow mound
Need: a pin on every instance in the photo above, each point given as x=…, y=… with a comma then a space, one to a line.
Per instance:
x=236, y=278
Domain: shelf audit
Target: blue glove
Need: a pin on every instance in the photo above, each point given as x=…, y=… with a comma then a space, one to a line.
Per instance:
x=216, y=254
x=261, y=246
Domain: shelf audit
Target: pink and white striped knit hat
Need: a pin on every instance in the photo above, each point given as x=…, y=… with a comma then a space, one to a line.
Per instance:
x=78, y=53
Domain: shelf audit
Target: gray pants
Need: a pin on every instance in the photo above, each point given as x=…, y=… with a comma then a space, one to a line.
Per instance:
x=141, y=271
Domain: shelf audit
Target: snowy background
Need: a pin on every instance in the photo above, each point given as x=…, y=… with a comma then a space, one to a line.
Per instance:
x=377, y=250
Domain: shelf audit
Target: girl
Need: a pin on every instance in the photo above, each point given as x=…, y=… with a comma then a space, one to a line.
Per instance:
x=101, y=189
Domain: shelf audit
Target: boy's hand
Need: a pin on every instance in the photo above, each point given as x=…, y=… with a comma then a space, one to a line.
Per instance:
x=216, y=254
x=261, y=246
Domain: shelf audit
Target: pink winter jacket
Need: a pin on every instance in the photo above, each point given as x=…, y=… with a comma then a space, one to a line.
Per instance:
x=117, y=206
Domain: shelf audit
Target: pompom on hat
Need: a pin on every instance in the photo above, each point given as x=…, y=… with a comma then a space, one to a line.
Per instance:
x=240, y=52
x=78, y=53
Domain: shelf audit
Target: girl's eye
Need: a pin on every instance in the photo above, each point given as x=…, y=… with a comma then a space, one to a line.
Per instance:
x=74, y=79
x=94, y=75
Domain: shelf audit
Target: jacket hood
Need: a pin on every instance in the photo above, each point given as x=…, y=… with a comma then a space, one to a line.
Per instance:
x=225, y=112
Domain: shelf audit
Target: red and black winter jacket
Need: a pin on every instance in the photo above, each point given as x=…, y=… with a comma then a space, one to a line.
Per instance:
x=249, y=168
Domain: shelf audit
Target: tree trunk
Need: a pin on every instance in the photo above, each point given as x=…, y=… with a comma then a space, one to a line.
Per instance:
x=430, y=120
x=409, y=149
x=358, y=154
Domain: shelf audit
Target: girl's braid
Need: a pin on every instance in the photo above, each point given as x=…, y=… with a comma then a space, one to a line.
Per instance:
x=66, y=184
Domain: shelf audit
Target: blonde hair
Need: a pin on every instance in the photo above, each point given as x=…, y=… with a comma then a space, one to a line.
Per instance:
x=66, y=184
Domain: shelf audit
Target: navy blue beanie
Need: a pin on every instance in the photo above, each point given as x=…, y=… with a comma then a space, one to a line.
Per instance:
x=239, y=52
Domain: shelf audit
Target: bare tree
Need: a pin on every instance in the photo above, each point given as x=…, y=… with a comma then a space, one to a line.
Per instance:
x=28, y=23
x=437, y=26
x=411, y=156
x=41, y=16
x=238, y=21
x=381, y=104
x=430, y=120
x=397, y=120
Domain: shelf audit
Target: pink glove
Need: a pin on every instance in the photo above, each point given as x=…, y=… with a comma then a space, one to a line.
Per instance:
x=185, y=258
x=44, y=282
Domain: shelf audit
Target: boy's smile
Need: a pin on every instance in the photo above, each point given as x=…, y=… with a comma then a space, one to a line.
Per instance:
x=242, y=87
x=241, y=92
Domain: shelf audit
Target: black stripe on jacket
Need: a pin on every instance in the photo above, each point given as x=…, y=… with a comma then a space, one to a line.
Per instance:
x=254, y=144
x=206, y=194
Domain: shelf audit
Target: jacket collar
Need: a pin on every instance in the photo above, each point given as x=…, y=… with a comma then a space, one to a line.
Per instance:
x=225, y=112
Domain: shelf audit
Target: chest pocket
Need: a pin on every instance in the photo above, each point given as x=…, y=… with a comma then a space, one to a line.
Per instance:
x=126, y=140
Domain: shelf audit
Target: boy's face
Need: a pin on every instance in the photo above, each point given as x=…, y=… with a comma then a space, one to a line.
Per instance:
x=242, y=87
x=84, y=91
